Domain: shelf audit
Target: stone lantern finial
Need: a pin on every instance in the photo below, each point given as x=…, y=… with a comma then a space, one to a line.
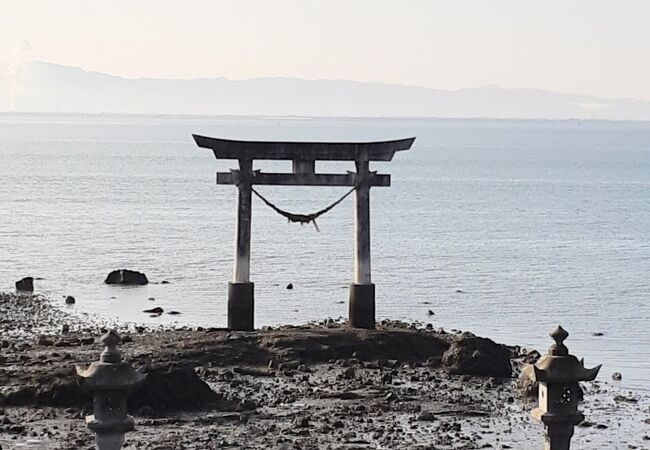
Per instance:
x=558, y=374
x=559, y=335
x=111, y=354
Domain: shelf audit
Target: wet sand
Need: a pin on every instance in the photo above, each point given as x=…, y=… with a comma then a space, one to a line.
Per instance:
x=319, y=386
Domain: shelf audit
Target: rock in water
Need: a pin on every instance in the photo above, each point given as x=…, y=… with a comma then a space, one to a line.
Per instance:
x=473, y=355
x=290, y=286
x=25, y=285
x=70, y=300
x=126, y=277
x=156, y=310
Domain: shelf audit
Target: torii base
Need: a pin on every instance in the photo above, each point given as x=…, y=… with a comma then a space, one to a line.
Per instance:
x=362, y=306
x=241, y=306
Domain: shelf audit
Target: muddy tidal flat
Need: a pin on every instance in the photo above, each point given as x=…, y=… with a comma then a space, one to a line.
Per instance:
x=318, y=386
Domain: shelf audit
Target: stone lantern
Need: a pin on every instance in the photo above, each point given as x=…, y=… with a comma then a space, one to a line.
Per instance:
x=110, y=380
x=558, y=374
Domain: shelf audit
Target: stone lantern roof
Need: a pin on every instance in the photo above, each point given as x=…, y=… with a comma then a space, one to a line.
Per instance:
x=109, y=373
x=558, y=366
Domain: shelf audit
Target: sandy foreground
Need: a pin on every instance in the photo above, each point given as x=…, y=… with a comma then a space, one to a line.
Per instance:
x=320, y=386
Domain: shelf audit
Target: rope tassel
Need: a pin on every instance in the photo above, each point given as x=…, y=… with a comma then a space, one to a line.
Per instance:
x=302, y=218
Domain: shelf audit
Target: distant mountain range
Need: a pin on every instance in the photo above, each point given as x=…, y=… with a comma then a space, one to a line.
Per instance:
x=46, y=87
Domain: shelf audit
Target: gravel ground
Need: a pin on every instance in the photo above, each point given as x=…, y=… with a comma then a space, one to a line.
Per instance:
x=321, y=386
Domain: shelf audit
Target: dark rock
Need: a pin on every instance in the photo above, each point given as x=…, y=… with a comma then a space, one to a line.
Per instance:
x=70, y=300
x=290, y=286
x=431, y=313
x=473, y=355
x=171, y=388
x=427, y=416
x=166, y=389
x=164, y=282
x=126, y=277
x=622, y=398
x=531, y=357
x=173, y=313
x=300, y=422
x=63, y=393
x=23, y=395
x=338, y=344
x=65, y=328
x=57, y=387
x=45, y=341
x=16, y=429
x=25, y=285
x=67, y=342
x=156, y=310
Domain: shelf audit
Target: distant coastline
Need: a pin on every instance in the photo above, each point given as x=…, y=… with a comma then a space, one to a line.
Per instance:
x=48, y=87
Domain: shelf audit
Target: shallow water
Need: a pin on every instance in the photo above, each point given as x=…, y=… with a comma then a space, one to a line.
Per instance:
x=536, y=222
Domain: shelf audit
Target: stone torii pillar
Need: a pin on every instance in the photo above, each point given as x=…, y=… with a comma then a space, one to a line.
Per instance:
x=241, y=301
x=361, y=307
x=241, y=304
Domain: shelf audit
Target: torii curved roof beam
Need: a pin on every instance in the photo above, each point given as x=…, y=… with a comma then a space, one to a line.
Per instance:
x=306, y=151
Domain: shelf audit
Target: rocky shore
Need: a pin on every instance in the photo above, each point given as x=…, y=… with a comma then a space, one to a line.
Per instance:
x=319, y=386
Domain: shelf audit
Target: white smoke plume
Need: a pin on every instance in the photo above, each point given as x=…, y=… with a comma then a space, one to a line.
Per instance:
x=21, y=55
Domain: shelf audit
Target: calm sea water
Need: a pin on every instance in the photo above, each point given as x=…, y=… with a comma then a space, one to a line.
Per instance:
x=536, y=222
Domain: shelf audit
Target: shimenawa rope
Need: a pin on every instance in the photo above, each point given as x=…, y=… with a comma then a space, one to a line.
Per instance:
x=302, y=218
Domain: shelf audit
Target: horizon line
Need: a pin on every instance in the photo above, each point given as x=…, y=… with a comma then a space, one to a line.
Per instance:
x=300, y=117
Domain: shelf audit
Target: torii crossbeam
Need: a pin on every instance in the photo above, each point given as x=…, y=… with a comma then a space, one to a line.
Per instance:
x=304, y=156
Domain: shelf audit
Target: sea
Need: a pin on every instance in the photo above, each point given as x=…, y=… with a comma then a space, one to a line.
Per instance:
x=506, y=228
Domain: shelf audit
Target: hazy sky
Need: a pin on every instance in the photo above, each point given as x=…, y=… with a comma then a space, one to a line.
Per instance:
x=579, y=46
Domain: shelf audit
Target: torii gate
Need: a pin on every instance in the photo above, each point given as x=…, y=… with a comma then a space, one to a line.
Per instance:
x=304, y=156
